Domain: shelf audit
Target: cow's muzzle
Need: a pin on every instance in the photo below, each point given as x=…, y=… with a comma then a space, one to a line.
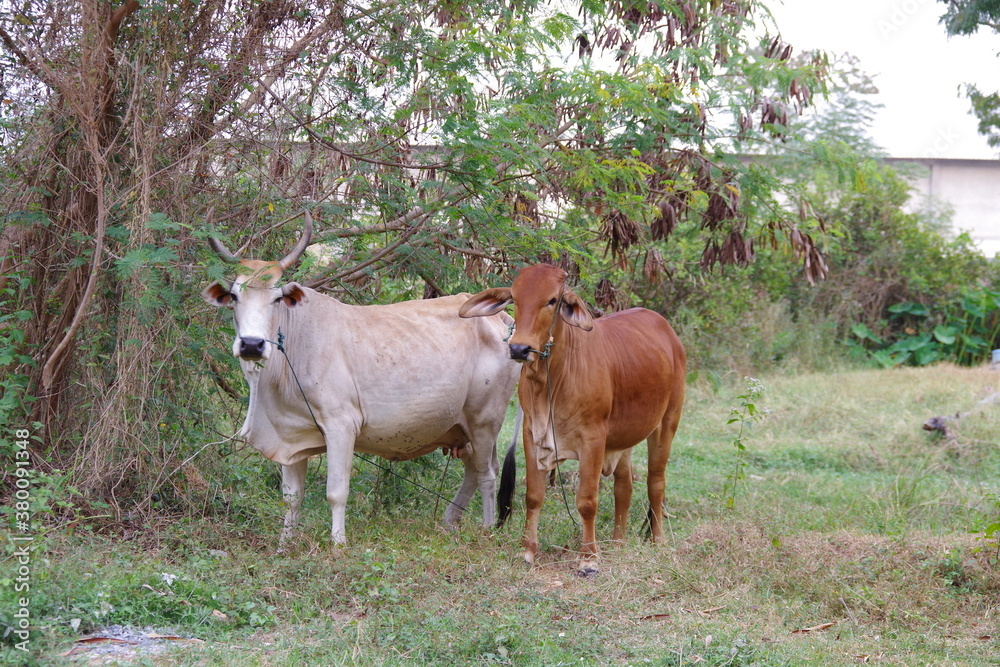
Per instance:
x=252, y=348
x=520, y=352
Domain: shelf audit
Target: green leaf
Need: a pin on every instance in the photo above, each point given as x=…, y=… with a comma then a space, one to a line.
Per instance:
x=909, y=308
x=912, y=343
x=925, y=356
x=161, y=222
x=973, y=342
x=862, y=331
x=886, y=359
x=945, y=334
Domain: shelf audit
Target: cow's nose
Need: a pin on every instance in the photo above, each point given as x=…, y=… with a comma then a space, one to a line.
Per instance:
x=252, y=348
x=519, y=352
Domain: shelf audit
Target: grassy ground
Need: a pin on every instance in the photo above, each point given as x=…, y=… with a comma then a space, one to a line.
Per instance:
x=855, y=537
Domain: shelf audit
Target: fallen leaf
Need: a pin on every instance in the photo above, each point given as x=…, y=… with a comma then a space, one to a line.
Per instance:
x=219, y=616
x=655, y=617
x=821, y=626
x=90, y=640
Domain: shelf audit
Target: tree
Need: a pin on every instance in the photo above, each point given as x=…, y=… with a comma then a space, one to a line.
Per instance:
x=438, y=145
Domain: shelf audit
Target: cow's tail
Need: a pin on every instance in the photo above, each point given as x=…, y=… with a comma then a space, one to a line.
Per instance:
x=508, y=475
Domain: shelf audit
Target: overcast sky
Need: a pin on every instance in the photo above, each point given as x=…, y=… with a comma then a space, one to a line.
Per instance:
x=917, y=68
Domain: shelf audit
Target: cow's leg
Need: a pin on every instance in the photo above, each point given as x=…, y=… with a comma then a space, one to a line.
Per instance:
x=658, y=444
x=591, y=463
x=293, y=482
x=339, y=458
x=659, y=453
x=534, y=479
x=455, y=509
x=623, y=495
x=481, y=466
x=486, y=466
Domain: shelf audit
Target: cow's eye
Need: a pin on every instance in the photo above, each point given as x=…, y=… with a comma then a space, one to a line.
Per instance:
x=233, y=295
x=553, y=301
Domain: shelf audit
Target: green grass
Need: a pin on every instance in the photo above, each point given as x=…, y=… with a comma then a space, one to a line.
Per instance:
x=849, y=514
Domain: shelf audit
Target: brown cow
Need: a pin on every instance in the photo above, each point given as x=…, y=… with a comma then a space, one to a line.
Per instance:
x=612, y=382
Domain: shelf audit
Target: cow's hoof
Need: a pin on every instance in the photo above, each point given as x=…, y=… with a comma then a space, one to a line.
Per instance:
x=587, y=567
x=529, y=558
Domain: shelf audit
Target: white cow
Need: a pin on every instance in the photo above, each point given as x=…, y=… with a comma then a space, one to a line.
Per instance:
x=398, y=380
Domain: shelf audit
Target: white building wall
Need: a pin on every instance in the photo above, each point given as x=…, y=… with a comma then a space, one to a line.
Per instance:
x=970, y=187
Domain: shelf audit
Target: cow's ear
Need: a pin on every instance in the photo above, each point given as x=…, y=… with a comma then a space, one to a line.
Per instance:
x=218, y=294
x=486, y=303
x=575, y=312
x=292, y=295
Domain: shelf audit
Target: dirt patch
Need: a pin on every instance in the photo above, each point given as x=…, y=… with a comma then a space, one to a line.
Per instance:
x=119, y=644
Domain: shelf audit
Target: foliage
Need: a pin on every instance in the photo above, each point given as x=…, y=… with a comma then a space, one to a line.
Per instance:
x=746, y=415
x=882, y=248
x=15, y=402
x=965, y=332
x=965, y=17
x=888, y=259
x=990, y=530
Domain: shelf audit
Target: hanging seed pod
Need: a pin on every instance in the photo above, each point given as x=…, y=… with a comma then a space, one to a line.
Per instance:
x=654, y=267
x=606, y=295
x=710, y=255
x=619, y=232
x=772, y=48
x=665, y=221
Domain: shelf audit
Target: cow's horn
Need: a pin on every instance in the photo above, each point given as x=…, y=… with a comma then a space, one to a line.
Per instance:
x=300, y=247
x=216, y=244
